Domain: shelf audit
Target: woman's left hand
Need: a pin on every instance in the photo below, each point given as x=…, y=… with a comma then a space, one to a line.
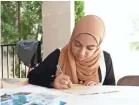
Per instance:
x=90, y=83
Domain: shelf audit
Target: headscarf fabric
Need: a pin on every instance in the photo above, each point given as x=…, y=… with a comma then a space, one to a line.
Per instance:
x=86, y=70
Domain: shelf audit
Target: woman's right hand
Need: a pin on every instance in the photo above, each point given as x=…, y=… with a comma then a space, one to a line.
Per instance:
x=62, y=82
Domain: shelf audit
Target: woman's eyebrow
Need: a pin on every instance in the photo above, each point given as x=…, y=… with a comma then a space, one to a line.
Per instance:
x=87, y=46
x=91, y=45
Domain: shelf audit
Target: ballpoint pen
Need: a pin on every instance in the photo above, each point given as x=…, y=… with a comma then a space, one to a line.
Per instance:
x=59, y=69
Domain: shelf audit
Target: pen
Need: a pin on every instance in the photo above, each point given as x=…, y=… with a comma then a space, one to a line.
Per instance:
x=60, y=71
x=58, y=68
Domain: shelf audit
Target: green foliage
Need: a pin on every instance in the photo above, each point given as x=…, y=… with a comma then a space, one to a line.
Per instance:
x=16, y=70
x=8, y=22
x=79, y=10
x=134, y=46
x=31, y=21
x=135, y=32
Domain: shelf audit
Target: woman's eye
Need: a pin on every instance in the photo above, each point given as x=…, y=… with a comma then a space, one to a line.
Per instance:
x=91, y=48
x=77, y=44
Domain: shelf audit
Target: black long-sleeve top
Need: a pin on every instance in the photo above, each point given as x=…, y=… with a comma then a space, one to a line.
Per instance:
x=43, y=75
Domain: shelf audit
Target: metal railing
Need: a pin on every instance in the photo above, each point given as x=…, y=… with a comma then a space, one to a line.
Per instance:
x=11, y=66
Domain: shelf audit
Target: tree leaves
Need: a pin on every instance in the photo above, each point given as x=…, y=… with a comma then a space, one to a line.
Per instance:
x=30, y=24
x=79, y=10
x=31, y=21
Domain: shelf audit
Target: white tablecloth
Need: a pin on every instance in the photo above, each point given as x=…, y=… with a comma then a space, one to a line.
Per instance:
x=93, y=95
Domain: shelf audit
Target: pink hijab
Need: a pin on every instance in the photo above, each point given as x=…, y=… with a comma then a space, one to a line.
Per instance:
x=86, y=70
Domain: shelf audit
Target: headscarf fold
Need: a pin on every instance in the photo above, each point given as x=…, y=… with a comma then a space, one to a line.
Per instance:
x=86, y=70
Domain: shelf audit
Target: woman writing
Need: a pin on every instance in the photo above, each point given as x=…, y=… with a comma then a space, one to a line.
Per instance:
x=79, y=61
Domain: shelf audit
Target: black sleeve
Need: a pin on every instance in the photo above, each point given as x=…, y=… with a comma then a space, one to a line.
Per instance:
x=42, y=75
x=110, y=77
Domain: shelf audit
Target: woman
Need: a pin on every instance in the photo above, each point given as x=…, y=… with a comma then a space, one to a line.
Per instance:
x=79, y=60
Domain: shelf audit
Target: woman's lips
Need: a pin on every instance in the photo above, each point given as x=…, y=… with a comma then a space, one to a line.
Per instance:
x=80, y=58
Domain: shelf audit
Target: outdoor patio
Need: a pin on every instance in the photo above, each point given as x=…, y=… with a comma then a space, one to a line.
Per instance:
x=57, y=24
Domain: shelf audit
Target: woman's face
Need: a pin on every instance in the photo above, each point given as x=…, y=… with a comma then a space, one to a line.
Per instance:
x=83, y=46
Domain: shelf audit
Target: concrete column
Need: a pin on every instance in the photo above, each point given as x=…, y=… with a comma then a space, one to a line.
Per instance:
x=58, y=22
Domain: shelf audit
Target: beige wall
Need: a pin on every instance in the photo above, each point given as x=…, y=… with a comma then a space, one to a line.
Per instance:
x=58, y=22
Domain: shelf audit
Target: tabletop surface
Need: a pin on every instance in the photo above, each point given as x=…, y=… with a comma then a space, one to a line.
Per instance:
x=87, y=95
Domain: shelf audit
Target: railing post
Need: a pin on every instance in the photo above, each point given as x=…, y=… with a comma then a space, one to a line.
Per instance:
x=7, y=62
x=13, y=63
x=2, y=60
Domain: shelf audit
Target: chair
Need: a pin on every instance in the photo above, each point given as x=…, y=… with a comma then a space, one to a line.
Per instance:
x=129, y=81
x=29, y=52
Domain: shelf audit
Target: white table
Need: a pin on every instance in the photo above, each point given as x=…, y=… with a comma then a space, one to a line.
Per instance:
x=124, y=95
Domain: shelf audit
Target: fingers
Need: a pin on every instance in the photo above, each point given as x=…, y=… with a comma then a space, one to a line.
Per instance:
x=81, y=82
x=62, y=82
x=65, y=84
x=90, y=83
x=65, y=77
x=66, y=81
x=70, y=84
x=64, y=87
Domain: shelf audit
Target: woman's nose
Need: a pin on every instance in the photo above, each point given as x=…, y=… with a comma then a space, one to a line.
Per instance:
x=82, y=52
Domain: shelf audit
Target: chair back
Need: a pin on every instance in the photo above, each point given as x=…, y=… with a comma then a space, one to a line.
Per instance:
x=129, y=81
